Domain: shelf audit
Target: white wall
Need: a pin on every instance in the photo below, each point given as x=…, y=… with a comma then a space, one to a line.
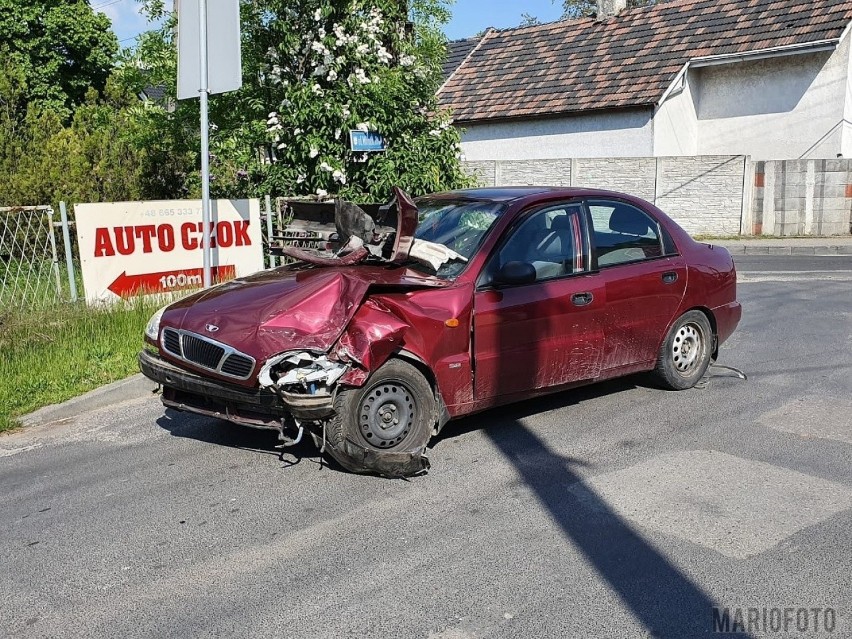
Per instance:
x=626, y=133
x=676, y=122
x=783, y=107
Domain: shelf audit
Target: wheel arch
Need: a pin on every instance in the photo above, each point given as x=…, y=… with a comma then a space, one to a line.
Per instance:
x=442, y=415
x=711, y=317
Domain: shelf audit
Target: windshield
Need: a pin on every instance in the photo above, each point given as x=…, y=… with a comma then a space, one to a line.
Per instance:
x=460, y=225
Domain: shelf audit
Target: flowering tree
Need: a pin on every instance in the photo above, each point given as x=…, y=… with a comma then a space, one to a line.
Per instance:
x=330, y=67
x=312, y=71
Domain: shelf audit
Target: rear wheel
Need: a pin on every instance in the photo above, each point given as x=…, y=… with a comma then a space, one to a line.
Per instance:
x=686, y=352
x=384, y=426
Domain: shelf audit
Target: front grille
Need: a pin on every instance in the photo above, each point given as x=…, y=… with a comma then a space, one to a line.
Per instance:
x=202, y=352
x=207, y=353
x=171, y=342
x=238, y=365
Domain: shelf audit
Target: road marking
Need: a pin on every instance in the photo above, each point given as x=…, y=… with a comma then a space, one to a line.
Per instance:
x=813, y=416
x=793, y=276
x=737, y=507
x=8, y=452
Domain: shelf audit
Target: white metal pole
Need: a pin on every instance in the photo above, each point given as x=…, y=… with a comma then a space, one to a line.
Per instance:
x=205, y=145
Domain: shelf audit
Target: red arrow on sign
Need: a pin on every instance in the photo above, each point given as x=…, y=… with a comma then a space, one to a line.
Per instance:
x=150, y=283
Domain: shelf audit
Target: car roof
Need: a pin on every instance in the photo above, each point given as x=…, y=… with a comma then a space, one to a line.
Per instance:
x=509, y=193
x=496, y=194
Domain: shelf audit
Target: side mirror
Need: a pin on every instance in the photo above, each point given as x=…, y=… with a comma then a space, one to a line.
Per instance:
x=516, y=273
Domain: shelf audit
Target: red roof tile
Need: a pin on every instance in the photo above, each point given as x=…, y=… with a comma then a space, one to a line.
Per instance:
x=627, y=60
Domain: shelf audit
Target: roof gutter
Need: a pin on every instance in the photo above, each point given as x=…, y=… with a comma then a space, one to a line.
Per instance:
x=761, y=54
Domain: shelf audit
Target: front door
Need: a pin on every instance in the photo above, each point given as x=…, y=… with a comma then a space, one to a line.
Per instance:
x=545, y=331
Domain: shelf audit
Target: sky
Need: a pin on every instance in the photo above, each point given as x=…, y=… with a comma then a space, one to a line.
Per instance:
x=469, y=16
x=472, y=16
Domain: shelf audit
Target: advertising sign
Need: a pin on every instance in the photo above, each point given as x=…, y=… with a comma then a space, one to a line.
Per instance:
x=133, y=248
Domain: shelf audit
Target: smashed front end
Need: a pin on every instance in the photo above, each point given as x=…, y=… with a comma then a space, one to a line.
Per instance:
x=288, y=341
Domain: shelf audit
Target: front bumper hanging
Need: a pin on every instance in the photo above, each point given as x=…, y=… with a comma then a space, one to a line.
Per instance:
x=256, y=407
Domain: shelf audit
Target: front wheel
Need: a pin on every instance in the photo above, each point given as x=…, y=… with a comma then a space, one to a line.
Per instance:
x=384, y=426
x=686, y=352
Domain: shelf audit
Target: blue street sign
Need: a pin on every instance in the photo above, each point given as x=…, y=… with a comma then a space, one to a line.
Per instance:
x=365, y=142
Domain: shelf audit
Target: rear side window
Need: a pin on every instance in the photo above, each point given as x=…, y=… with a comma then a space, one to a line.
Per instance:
x=623, y=233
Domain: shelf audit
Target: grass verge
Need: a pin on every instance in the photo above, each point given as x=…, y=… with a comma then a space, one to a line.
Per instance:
x=48, y=356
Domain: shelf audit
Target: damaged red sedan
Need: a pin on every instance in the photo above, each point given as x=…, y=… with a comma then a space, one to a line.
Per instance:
x=443, y=307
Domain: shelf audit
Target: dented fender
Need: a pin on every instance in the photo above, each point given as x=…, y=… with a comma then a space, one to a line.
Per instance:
x=371, y=337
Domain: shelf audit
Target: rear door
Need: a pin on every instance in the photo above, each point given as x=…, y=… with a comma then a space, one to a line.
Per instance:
x=644, y=278
x=542, y=333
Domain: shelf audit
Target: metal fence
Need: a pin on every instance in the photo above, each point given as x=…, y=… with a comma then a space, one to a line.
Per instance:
x=30, y=275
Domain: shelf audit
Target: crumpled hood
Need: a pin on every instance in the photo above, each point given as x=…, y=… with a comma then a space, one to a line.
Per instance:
x=286, y=309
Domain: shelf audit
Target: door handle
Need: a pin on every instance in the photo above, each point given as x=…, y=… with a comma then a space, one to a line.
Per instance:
x=582, y=299
x=670, y=277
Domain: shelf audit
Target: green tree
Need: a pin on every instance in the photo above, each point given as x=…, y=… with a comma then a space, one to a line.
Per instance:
x=63, y=48
x=572, y=9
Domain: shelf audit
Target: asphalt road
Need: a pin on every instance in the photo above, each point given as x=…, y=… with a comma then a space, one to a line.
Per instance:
x=617, y=510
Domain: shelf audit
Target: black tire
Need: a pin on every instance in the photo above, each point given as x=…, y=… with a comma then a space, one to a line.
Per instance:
x=686, y=352
x=384, y=426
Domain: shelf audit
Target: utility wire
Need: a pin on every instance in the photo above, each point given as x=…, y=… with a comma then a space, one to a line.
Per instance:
x=105, y=4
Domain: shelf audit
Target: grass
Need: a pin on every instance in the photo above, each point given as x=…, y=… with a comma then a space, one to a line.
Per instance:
x=50, y=355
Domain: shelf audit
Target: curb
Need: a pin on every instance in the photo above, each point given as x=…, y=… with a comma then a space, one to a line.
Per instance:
x=818, y=251
x=134, y=387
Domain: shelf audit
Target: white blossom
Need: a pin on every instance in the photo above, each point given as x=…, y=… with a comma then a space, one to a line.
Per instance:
x=332, y=76
x=346, y=111
x=317, y=89
x=339, y=176
x=300, y=179
x=361, y=76
x=337, y=133
x=314, y=152
x=363, y=126
x=383, y=55
x=435, y=133
x=297, y=131
x=318, y=15
x=406, y=60
x=282, y=145
x=321, y=193
x=325, y=166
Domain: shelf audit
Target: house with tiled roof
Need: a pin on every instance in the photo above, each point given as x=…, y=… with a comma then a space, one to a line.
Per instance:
x=768, y=79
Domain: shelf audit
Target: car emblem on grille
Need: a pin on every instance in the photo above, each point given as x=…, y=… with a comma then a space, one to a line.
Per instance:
x=211, y=328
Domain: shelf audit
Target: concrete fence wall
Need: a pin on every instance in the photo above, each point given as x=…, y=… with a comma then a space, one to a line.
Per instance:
x=707, y=195
x=703, y=194
x=802, y=197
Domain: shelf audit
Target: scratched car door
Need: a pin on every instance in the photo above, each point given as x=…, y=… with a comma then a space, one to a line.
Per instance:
x=546, y=332
x=645, y=281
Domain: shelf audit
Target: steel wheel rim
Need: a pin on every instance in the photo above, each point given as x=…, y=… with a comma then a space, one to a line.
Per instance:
x=687, y=349
x=386, y=414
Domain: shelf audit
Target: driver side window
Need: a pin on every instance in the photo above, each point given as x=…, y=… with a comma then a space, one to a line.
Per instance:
x=550, y=240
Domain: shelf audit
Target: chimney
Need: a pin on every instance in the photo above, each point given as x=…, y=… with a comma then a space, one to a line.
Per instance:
x=609, y=8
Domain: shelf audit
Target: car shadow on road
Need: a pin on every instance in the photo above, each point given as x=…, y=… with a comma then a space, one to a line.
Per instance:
x=531, y=407
x=221, y=433
x=658, y=593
